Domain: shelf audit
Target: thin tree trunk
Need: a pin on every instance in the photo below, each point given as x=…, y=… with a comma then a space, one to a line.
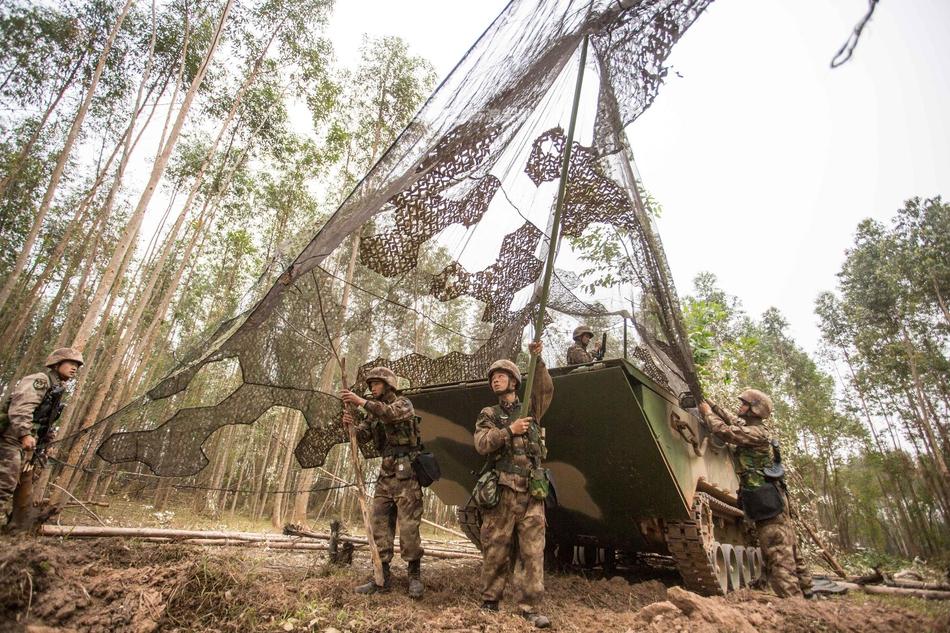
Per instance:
x=20, y=159
x=18, y=266
x=158, y=169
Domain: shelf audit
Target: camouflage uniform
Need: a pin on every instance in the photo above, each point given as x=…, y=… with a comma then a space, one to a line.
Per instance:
x=577, y=353
x=514, y=530
x=392, y=423
x=16, y=422
x=785, y=568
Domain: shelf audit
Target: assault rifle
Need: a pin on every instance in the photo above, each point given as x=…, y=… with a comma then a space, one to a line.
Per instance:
x=45, y=415
x=599, y=356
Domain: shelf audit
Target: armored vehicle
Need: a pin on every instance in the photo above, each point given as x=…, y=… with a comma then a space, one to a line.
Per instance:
x=634, y=472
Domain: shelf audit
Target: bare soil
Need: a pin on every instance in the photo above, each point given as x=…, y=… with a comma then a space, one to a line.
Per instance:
x=115, y=585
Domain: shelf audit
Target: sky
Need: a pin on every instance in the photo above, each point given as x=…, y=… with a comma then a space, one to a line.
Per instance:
x=763, y=157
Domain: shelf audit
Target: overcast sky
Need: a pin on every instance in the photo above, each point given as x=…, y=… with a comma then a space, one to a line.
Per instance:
x=763, y=158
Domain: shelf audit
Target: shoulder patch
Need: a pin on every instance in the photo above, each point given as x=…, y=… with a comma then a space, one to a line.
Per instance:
x=40, y=384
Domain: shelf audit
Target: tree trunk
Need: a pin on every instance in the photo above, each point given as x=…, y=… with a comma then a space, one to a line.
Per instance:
x=17, y=163
x=14, y=275
x=158, y=169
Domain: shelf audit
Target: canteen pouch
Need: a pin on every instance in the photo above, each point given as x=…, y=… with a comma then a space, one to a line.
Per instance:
x=485, y=493
x=761, y=503
x=427, y=469
x=538, y=484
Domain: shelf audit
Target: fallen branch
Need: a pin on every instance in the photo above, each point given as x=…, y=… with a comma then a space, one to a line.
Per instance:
x=430, y=548
x=73, y=504
x=917, y=584
x=219, y=537
x=926, y=594
x=81, y=504
x=823, y=549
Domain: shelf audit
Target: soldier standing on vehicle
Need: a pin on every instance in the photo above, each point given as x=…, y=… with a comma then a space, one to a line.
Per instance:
x=577, y=353
x=389, y=419
x=513, y=530
x=27, y=415
x=761, y=493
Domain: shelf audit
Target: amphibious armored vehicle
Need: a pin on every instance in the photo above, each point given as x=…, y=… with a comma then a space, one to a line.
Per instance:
x=634, y=473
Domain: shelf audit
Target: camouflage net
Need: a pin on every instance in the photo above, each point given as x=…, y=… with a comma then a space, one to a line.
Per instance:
x=453, y=217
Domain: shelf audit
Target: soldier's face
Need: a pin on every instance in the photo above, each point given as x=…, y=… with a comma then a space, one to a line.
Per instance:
x=67, y=369
x=585, y=339
x=377, y=387
x=744, y=407
x=499, y=382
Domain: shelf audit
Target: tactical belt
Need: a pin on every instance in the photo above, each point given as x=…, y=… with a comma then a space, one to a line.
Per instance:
x=509, y=467
x=400, y=451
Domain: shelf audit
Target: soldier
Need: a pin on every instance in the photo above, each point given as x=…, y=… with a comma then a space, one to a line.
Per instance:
x=27, y=415
x=762, y=498
x=577, y=353
x=389, y=419
x=514, y=528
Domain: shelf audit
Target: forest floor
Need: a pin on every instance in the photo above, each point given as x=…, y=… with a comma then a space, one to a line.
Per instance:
x=51, y=584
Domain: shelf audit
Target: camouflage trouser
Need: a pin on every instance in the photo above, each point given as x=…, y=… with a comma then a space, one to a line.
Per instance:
x=513, y=532
x=402, y=499
x=801, y=569
x=11, y=465
x=780, y=551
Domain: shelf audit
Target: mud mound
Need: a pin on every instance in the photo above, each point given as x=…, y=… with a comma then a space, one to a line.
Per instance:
x=111, y=585
x=85, y=588
x=749, y=612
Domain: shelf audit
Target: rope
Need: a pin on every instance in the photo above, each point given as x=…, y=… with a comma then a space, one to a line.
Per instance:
x=126, y=473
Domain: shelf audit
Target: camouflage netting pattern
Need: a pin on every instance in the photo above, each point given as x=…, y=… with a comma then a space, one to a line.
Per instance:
x=482, y=157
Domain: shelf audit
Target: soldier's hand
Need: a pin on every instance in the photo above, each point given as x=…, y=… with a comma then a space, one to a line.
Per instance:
x=351, y=398
x=704, y=408
x=535, y=347
x=597, y=347
x=520, y=426
x=28, y=442
x=347, y=418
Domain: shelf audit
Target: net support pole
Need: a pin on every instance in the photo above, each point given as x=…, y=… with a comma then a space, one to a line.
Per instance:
x=555, y=229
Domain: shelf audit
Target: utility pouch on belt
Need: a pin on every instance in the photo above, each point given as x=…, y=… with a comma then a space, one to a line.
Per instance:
x=538, y=483
x=485, y=493
x=761, y=503
x=427, y=469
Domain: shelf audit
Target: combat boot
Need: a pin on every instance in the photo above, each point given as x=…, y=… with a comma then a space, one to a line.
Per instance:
x=416, y=588
x=490, y=605
x=371, y=586
x=539, y=621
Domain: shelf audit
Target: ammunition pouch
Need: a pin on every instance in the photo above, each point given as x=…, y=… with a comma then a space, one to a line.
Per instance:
x=485, y=493
x=761, y=503
x=426, y=467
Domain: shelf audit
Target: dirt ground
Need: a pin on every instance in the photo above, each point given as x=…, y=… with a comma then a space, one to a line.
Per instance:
x=116, y=585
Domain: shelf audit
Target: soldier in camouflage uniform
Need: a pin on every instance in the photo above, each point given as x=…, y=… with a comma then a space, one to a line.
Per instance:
x=577, y=353
x=514, y=529
x=27, y=414
x=388, y=418
x=785, y=567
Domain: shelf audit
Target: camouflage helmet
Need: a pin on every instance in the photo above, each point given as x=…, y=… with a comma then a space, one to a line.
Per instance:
x=759, y=403
x=384, y=375
x=508, y=367
x=581, y=330
x=61, y=354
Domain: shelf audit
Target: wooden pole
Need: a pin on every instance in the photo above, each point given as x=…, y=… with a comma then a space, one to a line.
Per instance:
x=361, y=487
x=825, y=553
x=555, y=230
